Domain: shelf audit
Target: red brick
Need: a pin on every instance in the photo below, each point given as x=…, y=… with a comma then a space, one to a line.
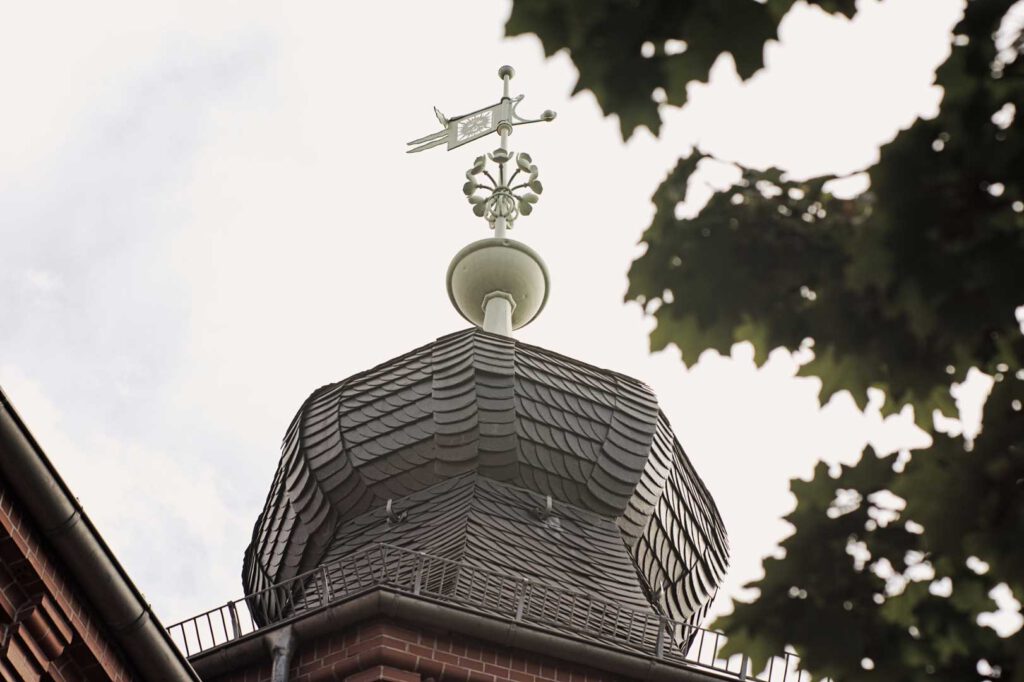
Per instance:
x=394, y=642
x=364, y=645
x=309, y=667
x=368, y=675
x=428, y=667
x=446, y=657
x=372, y=629
x=498, y=670
x=420, y=650
x=453, y=673
x=383, y=673
x=336, y=657
x=399, y=647
x=398, y=659
x=400, y=632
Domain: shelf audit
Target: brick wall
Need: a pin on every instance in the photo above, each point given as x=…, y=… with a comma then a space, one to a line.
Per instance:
x=383, y=651
x=47, y=629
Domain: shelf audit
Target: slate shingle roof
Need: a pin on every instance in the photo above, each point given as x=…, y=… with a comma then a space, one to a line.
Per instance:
x=469, y=434
x=481, y=522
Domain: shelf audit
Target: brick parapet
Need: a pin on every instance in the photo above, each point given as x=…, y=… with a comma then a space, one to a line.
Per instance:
x=388, y=651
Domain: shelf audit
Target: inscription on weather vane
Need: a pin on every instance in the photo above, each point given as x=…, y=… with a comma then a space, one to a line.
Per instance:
x=497, y=199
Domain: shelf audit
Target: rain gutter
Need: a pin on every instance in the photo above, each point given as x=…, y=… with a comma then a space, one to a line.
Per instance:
x=253, y=649
x=62, y=521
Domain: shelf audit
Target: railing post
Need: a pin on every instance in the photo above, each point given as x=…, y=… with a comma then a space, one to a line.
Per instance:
x=659, y=647
x=233, y=613
x=521, y=599
x=744, y=664
x=418, y=582
x=322, y=578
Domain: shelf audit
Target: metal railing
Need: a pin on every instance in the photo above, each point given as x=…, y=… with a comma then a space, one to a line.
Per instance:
x=479, y=589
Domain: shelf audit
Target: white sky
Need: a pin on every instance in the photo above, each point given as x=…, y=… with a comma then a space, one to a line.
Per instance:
x=206, y=212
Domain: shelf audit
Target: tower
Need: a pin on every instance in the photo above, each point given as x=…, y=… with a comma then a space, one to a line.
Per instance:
x=478, y=508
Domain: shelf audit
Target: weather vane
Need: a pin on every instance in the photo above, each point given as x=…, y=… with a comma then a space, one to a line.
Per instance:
x=497, y=199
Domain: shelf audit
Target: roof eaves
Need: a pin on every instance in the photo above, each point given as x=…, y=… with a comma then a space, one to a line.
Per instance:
x=82, y=549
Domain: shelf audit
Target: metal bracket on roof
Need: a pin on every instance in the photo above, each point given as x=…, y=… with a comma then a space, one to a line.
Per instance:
x=394, y=518
x=547, y=514
x=659, y=594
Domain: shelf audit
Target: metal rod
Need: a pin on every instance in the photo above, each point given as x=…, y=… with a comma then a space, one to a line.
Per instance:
x=209, y=627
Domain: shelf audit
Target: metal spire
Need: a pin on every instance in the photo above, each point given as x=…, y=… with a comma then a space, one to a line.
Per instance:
x=498, y=283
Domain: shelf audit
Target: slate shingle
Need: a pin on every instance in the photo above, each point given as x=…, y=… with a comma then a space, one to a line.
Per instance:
x=468, y=434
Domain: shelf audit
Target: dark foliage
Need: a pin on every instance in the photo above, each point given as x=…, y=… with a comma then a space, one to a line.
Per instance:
x=903, y=288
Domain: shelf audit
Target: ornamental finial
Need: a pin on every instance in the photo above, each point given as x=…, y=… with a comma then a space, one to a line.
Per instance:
x=497, y=199
x=498, y=283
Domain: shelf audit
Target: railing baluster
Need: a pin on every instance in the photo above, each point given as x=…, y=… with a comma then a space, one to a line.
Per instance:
x=223, y=624
x=195, y=626
x=209, y=628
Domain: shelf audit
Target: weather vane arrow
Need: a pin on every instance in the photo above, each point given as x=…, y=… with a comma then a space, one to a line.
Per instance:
x=459, y=130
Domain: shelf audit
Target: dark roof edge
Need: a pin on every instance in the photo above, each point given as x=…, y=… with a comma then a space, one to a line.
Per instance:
x=381, y=601
x=67, y=528
x=540, y=350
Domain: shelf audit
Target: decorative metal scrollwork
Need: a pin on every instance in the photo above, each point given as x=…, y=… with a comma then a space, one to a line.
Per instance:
x=501, y=197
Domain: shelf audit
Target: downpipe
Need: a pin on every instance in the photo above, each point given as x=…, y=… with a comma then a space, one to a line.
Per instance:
x=282, y=644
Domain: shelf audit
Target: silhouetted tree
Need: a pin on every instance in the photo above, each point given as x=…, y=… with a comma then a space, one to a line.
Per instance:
x=903, y=288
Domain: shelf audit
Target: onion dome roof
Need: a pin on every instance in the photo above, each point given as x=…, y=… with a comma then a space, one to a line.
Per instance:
x=495, y=453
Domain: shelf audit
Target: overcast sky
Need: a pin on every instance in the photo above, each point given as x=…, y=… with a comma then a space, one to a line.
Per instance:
x=206, y=212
